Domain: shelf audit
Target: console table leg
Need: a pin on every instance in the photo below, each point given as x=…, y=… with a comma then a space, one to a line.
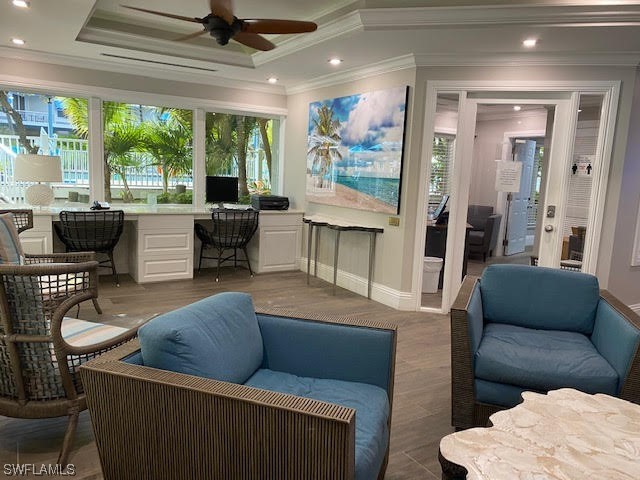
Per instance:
x=309, y=237
x=315, y=257
x=335, y=261
x=372, y=256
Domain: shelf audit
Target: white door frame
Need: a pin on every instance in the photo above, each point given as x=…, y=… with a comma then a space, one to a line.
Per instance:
x=610, y=91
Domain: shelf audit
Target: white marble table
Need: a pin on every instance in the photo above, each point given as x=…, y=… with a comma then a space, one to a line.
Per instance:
x=564, y=435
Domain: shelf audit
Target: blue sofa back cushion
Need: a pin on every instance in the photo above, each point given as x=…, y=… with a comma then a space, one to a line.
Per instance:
x=217, y=337
x=370, y=403
x=538, y=297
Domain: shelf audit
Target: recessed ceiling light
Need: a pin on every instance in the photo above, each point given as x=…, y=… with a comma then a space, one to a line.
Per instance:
x=530, y=42
x=17, y=41
x=579, y=110
x=517, y=108
x=272, y=80
x=335, y=61
x=20, y=3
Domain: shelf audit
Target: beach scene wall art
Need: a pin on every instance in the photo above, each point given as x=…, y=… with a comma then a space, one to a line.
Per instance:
x=354, y=150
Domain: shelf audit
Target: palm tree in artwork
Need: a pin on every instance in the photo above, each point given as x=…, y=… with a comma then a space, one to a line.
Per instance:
x=323, y=144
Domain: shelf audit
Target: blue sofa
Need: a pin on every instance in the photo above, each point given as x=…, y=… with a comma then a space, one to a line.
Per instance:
x=245, y=395
x=531, y=328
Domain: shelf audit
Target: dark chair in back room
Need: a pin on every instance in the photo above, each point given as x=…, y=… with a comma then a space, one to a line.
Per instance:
x=232, y=230
x=92, y=231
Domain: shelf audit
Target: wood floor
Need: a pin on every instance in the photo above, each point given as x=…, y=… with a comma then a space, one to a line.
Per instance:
x=421, y=410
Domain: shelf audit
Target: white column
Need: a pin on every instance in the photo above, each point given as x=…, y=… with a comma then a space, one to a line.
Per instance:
x=199, y=149
x=96, y=149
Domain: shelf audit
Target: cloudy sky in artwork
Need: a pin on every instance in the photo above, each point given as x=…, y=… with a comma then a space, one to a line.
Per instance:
x=367, y=119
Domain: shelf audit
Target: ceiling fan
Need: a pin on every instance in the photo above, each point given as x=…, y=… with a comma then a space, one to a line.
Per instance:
x=223, y=25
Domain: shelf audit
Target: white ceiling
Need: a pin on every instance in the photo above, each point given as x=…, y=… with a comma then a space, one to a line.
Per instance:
x=364, y=33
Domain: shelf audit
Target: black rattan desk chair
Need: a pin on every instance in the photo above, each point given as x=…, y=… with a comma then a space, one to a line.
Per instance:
x=232, y=230
x=97, y=231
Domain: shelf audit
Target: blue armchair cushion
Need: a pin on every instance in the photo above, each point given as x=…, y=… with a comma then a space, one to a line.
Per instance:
x=370, y=402
x=217, y=337
x=542, y=298
x=542, y=360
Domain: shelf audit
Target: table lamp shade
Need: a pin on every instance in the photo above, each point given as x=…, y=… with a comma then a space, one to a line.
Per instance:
x=38, y=168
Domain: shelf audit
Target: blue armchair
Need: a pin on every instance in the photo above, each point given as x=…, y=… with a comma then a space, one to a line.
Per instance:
x=531, y=328
x=214, y=390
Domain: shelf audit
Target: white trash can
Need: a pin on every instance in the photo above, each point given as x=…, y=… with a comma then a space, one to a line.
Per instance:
x=431, y=274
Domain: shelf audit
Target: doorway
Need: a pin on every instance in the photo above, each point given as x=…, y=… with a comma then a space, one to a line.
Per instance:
x=518, y=172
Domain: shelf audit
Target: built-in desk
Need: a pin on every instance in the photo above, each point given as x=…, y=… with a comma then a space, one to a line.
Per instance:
x=158, y=242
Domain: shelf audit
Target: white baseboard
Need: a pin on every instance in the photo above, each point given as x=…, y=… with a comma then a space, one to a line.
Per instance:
x=635, y=308
x=357, y=284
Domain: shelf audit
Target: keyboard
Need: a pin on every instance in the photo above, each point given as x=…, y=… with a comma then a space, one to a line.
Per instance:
x=234, y=206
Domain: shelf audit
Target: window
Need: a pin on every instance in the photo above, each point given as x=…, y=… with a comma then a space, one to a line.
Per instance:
x=36, y=123
x=242, y=146
x=147, y=153
x=441, y=161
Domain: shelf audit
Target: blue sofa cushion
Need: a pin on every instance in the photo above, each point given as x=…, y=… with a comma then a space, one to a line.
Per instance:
x=542, y=360
x=217, y=337
x=538, y=297
x=370, y=402
x=493, y=393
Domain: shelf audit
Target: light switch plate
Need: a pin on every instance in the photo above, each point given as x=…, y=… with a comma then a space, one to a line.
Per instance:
x=394, y=221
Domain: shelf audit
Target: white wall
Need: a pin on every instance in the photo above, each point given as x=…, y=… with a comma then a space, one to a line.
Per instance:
x=391, y=253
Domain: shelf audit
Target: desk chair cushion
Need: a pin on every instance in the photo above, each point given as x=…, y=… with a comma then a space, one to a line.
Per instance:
x=370, y=402
x=543, y=298
x=217, y=337
x=542, y=360
x=10, y=247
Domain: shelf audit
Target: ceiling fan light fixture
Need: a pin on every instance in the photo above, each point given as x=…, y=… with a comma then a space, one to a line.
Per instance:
x=21, y=3
x=272, y=80
x=17, y=41
x=335, y=61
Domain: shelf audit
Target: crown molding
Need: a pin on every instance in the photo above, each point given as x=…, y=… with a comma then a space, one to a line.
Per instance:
x=519, y=59
x=344, y=25
x=548, y=14
x=131, y=67
x=386, y=66
x=513, y=115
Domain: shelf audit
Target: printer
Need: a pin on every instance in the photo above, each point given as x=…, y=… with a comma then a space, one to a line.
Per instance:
x=269, y=202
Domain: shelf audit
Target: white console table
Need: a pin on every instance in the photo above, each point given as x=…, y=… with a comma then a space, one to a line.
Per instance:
x=158, y=242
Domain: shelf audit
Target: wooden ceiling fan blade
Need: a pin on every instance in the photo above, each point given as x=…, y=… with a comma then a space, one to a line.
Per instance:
x=222, y=9
x=253, y=40
x=163, y=14
x=266, y=25
x=190, y=36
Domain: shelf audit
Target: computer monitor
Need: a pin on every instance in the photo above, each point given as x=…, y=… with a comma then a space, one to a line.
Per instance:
x=440, y=208
x=221, y=189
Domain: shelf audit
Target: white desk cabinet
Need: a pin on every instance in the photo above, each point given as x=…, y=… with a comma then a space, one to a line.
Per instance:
x=39, y=239
x=161, y=248
x=277, y=244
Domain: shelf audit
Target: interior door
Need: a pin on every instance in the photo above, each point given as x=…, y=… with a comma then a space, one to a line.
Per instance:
x=516, y=230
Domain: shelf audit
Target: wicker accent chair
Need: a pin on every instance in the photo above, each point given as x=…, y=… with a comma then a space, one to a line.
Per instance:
x=22, y=218
x=97, y=231
x=232, y=230
x=155, y=423
x=534, y=328
x=39, y=364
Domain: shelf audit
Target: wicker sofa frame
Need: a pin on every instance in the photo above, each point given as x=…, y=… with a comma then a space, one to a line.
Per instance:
x=151, y=423
x=466, y=411
x=39, y=371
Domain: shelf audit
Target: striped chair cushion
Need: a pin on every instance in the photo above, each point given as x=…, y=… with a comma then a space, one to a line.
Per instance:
x=80, y=333
x=10, y=247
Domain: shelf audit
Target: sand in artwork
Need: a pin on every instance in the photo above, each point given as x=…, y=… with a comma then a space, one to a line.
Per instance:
x=343, y=196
